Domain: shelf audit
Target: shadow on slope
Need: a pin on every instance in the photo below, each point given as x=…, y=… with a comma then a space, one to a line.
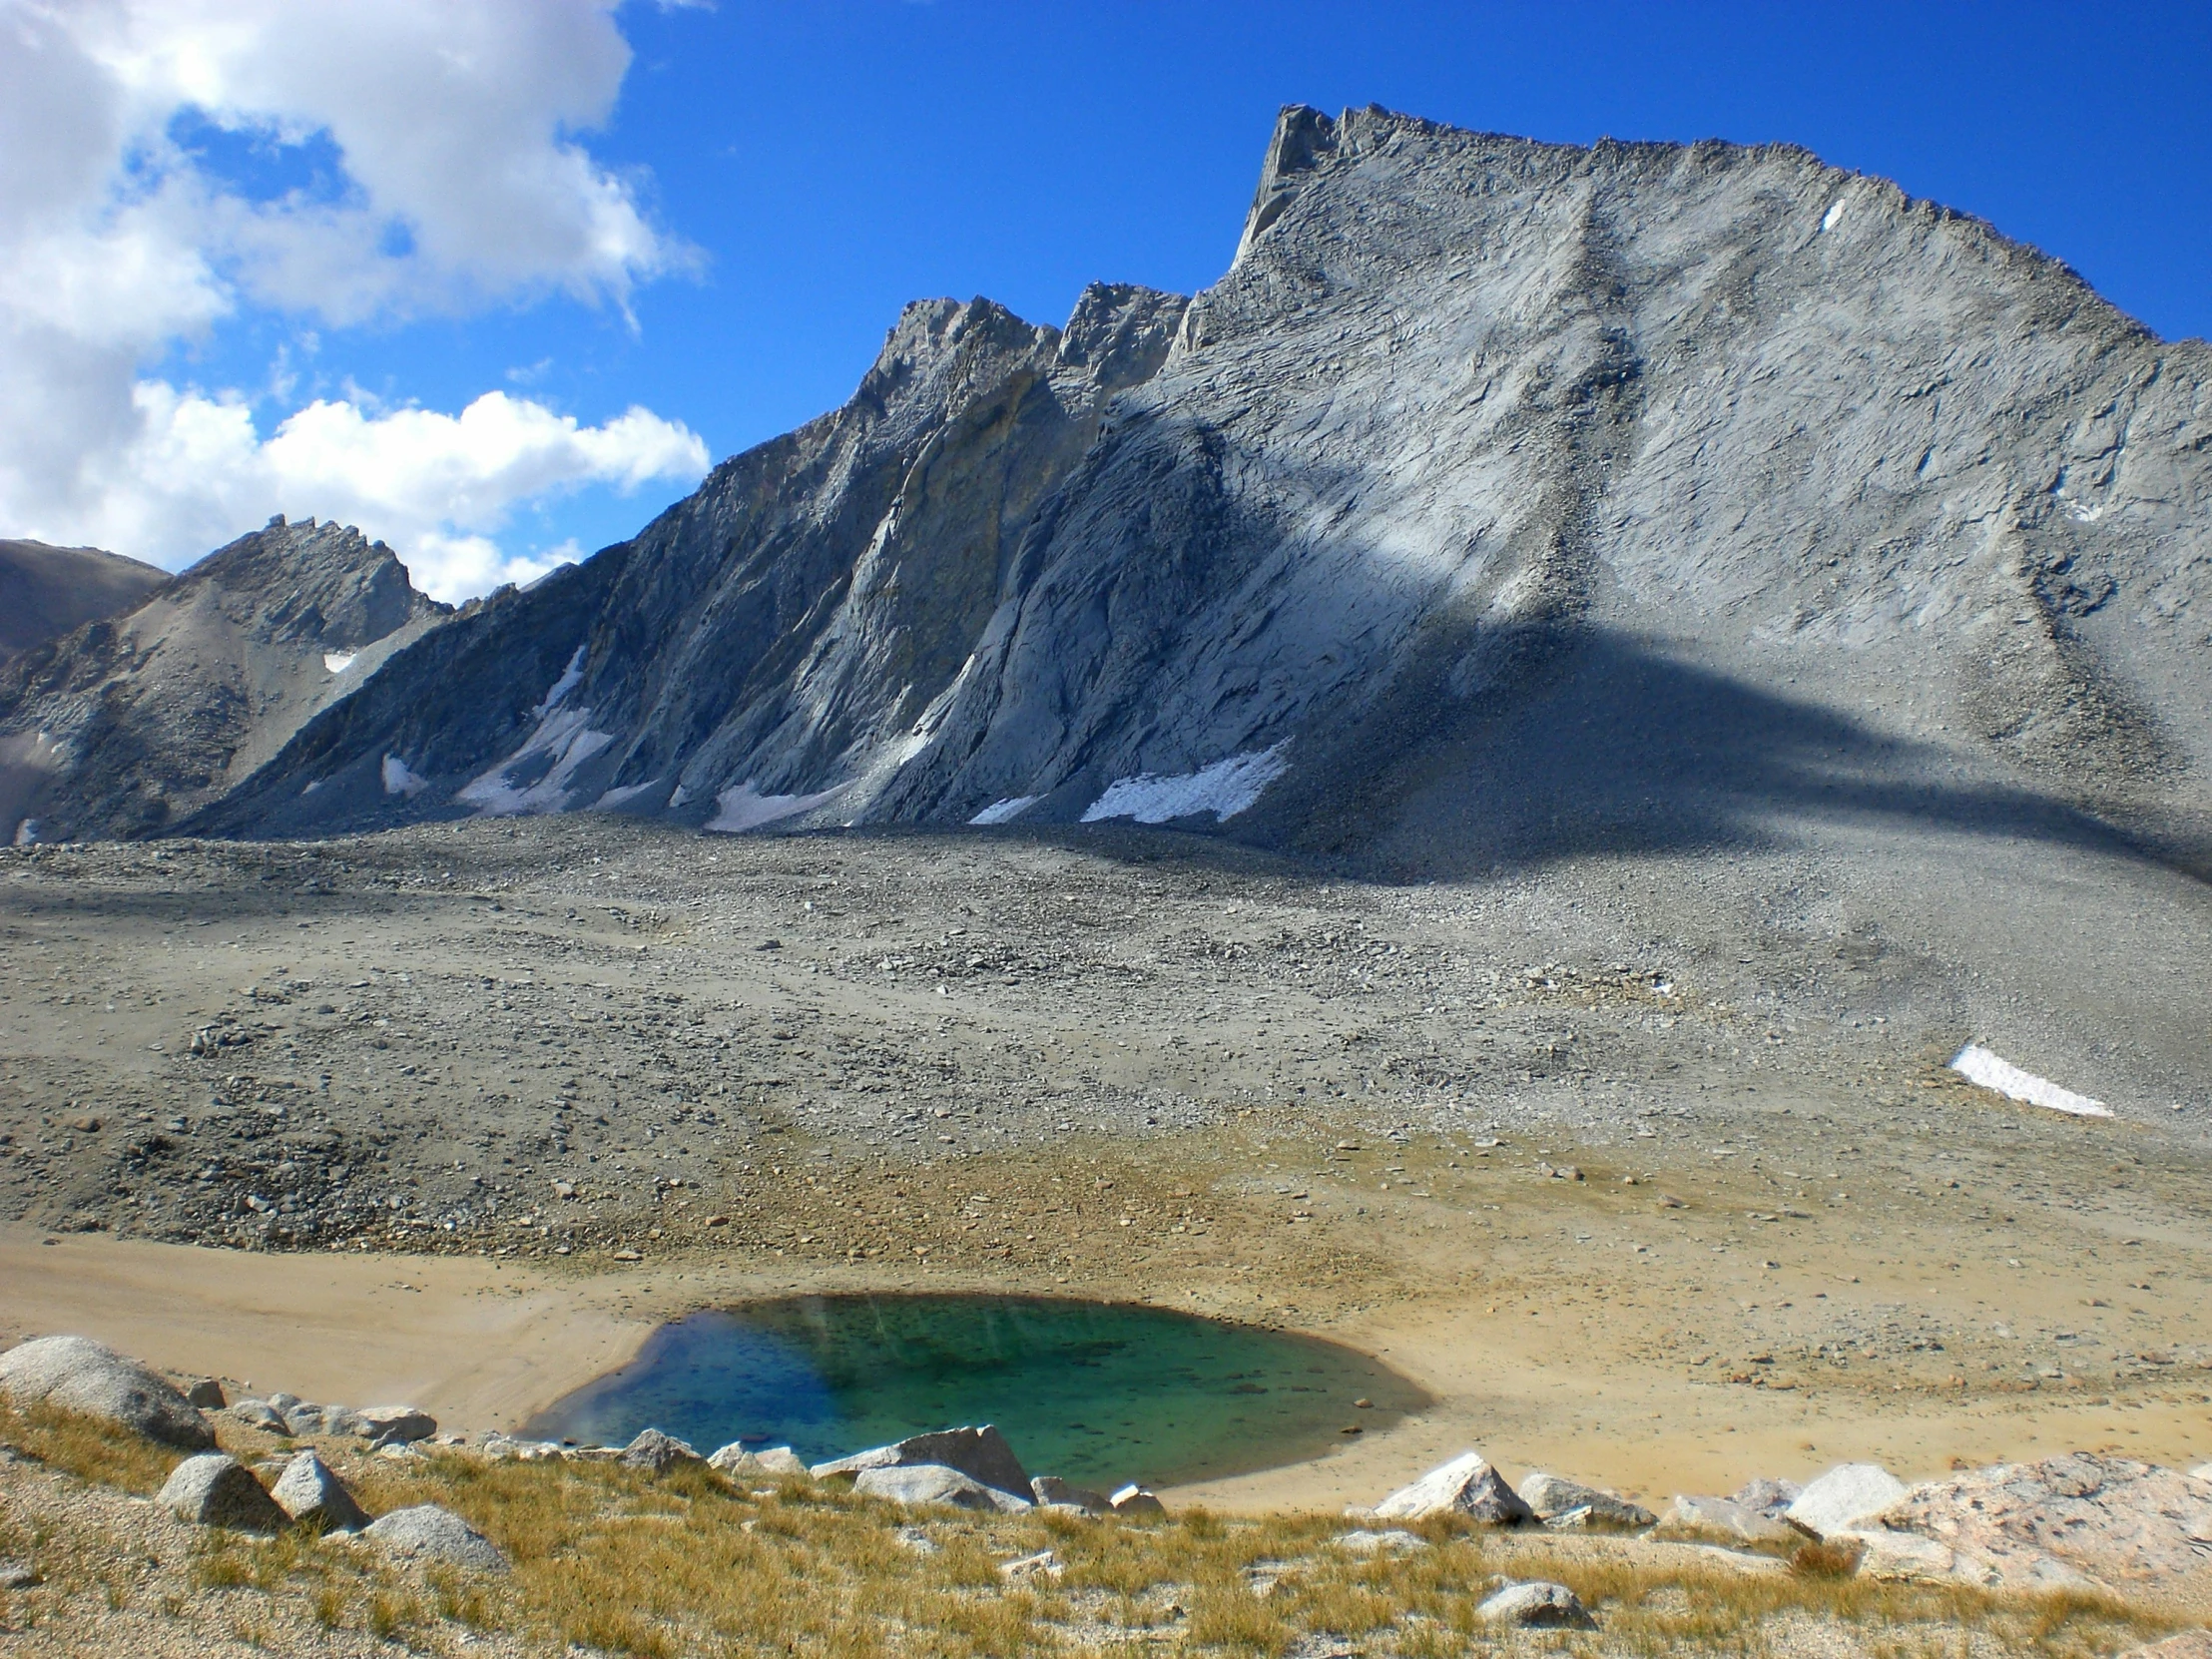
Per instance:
x=1610, y=746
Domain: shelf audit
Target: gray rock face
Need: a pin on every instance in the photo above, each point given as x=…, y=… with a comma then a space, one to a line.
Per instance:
x=1554, y=1498
x=657, y=1454
x=1051, y=1489
x=1722, y=1520
x=312, y=1495
x=914, y=1483
x=1846, y=1497
x=2066, y=1521
x=397, y=1424
x=46, y=592
x=131, y=723
x=428, y=1532
x=1467, y=1484
x=1536, y=1606
x=1478, y=442
x=1768, y=1496
x=76, y=1373
x=980, y=1453
x=216, y=1489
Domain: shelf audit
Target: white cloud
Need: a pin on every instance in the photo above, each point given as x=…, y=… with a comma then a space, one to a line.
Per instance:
x=458, y=183
x=431, y=484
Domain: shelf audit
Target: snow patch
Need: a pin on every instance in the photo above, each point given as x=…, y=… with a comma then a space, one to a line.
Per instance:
x=535, y=778
x=1224, y=788
x=1005, y=812
x=744, y=807
x=398, y=780
x=616, y=796
x=567, y=683
x=681, y=796
x=1978, y=1065
x=337, y=662
x=1835, y=212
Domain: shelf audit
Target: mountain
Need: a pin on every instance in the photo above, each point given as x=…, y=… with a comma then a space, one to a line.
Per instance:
x=46, y=592
x=1504, y=501
x=130, y=722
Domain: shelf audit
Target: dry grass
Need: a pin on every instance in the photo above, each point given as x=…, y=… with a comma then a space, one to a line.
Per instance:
x=85, y=1448
x=618, y=1562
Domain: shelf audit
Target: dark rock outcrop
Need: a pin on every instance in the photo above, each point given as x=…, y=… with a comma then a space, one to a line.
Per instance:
x=130, y=724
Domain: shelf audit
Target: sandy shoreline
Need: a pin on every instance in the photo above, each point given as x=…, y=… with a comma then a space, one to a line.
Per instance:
x=484, y=1344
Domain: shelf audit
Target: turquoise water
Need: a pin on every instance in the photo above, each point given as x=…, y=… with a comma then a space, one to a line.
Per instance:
x=1091, y=1392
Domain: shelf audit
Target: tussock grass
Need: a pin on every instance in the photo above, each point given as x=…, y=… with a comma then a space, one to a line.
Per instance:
x=618, y=1562
x=86, y=1448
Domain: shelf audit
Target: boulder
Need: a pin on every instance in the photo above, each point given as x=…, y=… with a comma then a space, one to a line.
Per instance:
x=1553, y=1499
x=427, y=1533
x=1466, y=1485
x=2064, y=1520
x=257, y=1413
x=306, y=1419
x=980, y=1453
x=1134, y=1499
x=216, y=1489
x=918, y=1483
x=505, y=1447
x=1051, y=1490
x=657, y=1453
x=1769, y=1498
x=1724, y=1519
x=313, y=1497
x=76, y=1373
x=1841, y=1498
x=1608, y=1514
x=1537, y=1606
x=1897, y=1555
x=780, y=1461
x=390, y=1423
x=206, y=1394
x=1394, y=1540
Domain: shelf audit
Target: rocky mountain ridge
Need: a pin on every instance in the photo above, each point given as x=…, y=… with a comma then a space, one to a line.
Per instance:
x=1504, y=500
x=130, y=722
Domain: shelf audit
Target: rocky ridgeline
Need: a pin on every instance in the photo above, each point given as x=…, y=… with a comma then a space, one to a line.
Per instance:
x=2072, y=1522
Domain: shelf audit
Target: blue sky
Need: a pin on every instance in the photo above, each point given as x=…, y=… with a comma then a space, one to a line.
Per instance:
x=802, y=169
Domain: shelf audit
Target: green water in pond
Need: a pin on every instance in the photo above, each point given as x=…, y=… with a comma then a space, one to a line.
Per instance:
x=1091, y=1392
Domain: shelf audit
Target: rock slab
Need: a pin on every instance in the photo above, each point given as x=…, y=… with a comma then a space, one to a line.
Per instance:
x=982, y=1455
x=312, y=1495
x=1051, y=1489
x=216, y=1489
x=2064, y=1520
x=921, y=1483
x=1536, y=1606
x=1467, y=1485
x=1723, y=1519
x=428, y=1532
x=1843, y=1497
x=76, y=1373
x=1553, y=1499
x=657, y=1454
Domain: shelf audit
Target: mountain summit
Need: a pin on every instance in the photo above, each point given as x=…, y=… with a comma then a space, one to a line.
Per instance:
x=1503, y=500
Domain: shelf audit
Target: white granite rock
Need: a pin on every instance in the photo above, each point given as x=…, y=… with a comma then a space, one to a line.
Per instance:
x=1467, y=1484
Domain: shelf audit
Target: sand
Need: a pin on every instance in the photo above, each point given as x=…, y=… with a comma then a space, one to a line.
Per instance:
x=1656, y=1211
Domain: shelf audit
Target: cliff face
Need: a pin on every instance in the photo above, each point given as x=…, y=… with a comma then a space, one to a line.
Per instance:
x=1503, y=499
x=133, y=721
x=46, y=592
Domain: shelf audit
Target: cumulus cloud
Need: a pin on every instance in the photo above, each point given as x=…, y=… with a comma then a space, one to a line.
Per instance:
x=433, y=485
x=456, y=180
